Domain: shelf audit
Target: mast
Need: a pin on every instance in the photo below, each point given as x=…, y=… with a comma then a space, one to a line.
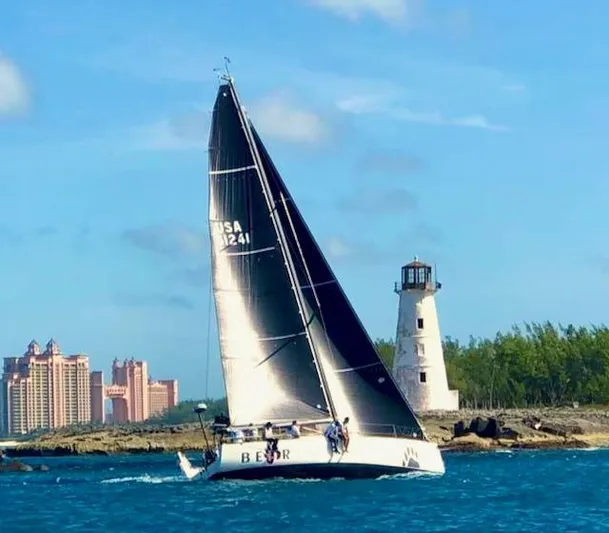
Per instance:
x=289, y=264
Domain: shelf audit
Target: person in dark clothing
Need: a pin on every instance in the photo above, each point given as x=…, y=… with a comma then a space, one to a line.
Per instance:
x=271, y=441
x=331, y=434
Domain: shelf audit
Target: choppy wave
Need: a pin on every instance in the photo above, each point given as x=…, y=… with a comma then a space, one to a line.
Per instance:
x=526, y=490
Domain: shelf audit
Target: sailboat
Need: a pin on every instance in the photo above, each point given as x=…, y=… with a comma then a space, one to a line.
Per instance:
x=292, y=347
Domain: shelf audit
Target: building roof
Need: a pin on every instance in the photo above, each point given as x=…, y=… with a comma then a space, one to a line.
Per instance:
x=416, y=263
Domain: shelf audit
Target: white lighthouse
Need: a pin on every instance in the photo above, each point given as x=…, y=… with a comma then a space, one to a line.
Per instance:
x=418, y=364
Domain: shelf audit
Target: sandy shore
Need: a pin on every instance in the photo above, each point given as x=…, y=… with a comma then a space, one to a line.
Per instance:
x=520, y=429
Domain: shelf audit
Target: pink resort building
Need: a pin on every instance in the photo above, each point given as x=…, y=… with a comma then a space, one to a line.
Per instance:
x=134, y=396
x=44, y=389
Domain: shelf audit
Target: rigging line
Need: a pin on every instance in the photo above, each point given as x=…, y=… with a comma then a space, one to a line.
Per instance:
x=209, y=302
x=275, y=352
x=309, y=278
x=210, y=284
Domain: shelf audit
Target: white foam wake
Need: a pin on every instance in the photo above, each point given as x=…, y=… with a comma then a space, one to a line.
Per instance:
x=146, y=478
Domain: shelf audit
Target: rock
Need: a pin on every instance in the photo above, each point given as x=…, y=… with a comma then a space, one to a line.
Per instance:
x=461, y=428
x=533, y=422
x=468, y=443
x=553, y=428
x=18, y=466
x=564, y=430
x=509, y=433
x=487, y=428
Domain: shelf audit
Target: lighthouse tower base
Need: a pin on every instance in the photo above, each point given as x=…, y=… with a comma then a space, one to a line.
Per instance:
x=424, y=399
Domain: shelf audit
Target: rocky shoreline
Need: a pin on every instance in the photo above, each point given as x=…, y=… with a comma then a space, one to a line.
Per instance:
x=543, y=428
x=464, y=431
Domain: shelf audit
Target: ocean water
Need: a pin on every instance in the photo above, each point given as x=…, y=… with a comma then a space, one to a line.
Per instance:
x=514, y=491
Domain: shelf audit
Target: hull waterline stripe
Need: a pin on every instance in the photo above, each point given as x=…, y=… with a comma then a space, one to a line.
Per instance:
x=315, y=471
x=231, y=170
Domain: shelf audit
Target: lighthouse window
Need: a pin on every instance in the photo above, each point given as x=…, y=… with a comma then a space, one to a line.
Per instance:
x=422, y=377
x=419, y=349
x=419, y=323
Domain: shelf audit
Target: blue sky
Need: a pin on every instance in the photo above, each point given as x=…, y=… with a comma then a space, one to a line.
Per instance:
x=472, y=133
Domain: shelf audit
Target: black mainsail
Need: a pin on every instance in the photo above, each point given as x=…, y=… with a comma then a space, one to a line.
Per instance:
x=282, y=314
x=268, y=365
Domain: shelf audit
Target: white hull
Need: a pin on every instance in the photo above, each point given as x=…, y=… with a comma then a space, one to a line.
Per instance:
x=311, y=457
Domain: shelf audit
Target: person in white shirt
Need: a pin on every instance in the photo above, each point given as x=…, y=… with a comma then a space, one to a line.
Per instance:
x=234, y=434
x=294, y=430
x=271, y=441
x=238, y=436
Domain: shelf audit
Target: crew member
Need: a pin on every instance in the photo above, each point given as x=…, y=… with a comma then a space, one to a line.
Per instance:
x=344, y=434
x=331, y=433
x=294, y=430
x=271, y=441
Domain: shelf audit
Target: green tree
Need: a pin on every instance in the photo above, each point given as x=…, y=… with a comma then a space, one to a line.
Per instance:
x=386, y=350
x=183, y=413
x=538, y=364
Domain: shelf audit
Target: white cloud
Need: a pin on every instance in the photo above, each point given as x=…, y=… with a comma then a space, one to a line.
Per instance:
x=360, y=104
x=388, y=10
x=438, y=119
x=161, y=136
x=169, y=239
x=378, y=202
x=14, y=93
x=515, y=88
x=380, y=104
x=338, y=248
x=459, y=21
x=187, y=131
x=276, y=116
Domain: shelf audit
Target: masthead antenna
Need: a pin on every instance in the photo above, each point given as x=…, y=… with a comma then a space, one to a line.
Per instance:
x=227, y=76
x=224, y=75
